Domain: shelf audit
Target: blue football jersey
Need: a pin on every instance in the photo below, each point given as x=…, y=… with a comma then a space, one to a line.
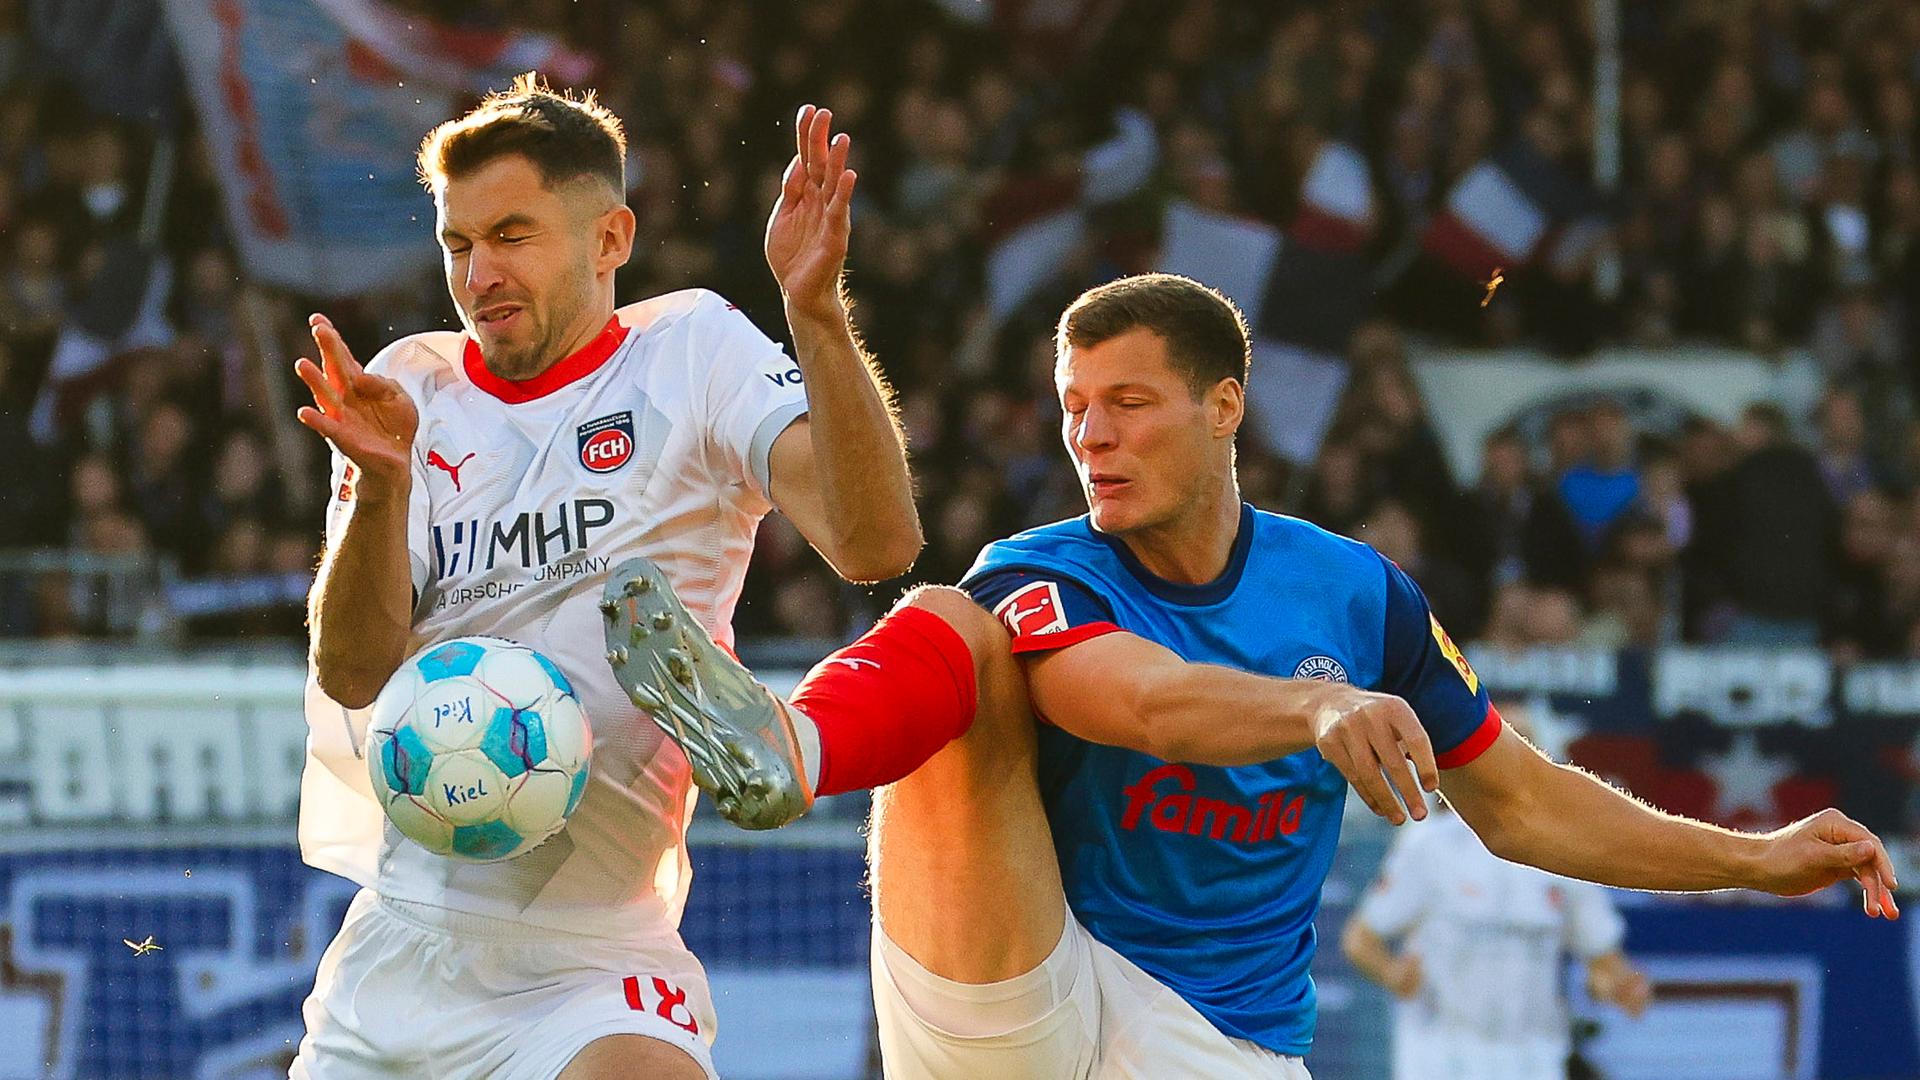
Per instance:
x=1208, y=878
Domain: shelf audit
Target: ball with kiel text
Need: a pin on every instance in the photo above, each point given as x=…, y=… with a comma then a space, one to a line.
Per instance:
x=478, y=749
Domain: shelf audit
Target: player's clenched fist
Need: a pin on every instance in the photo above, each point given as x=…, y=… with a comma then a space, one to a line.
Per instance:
x=1370, y=738
x=1817, y=851
x=366, y=417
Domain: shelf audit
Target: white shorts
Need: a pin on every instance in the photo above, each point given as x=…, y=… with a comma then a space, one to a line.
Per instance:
x=408, y=990
x=1086, y=1013
x=1424, y=1049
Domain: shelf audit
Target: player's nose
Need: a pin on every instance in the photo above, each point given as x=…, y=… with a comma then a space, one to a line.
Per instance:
x=1094, y=430
x=483, y=271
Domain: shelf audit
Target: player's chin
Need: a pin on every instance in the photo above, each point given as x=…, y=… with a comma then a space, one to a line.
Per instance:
x=1110, y=515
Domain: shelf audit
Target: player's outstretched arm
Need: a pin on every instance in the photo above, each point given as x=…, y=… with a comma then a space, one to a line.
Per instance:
x=1529, y=809
x=360, y=610
x=841, y=473
x=1152, y=700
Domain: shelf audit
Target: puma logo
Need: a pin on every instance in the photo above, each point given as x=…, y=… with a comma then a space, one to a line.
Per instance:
x=434, y=459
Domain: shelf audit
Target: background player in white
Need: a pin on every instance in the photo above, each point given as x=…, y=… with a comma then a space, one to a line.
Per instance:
x=485, y=481
x=1481, y=943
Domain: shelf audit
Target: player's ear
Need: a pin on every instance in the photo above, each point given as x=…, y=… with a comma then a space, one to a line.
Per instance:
x=1226, y=407
x=614, y=241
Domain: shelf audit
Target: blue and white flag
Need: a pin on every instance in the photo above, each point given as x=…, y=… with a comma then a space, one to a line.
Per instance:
x=313, y=111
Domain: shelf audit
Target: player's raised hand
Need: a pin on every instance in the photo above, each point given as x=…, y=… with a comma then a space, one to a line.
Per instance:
x=807, y=232
x=369, y=418
x=1370, y=738
x=1817, y=851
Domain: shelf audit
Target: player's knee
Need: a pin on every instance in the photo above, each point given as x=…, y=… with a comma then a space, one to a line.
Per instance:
x=986, y=639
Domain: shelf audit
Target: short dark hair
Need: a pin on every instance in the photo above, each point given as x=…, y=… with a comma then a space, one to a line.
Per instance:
x=1205, y=333
x=564, y=136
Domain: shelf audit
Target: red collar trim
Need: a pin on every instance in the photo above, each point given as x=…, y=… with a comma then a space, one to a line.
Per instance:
x=569, y=369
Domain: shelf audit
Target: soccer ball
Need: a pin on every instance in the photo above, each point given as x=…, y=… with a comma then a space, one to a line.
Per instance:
x=478, y=749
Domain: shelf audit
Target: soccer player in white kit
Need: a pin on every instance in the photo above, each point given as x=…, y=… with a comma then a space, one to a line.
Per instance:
x=484, y=482
x=1478, y=974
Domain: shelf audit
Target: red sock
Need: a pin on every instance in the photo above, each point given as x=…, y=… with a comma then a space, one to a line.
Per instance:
x=889, y=701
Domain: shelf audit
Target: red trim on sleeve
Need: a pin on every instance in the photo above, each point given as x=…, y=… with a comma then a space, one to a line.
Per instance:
x=1060, y=639
x=565, y=371
x=1475, y=744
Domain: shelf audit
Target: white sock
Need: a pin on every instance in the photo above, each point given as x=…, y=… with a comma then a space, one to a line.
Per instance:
x=807, y=734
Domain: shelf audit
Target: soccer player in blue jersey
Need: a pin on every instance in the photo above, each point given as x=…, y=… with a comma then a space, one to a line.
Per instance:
x=1117, y=755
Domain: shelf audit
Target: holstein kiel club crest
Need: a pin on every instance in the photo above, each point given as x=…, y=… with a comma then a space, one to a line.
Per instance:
x=606, y=443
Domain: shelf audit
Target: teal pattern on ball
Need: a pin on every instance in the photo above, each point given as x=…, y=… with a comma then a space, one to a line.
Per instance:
x=579, y=785
x=492, y=840
x=553, y=673
x=453, y=658
x=516, y=740
x=405, y=760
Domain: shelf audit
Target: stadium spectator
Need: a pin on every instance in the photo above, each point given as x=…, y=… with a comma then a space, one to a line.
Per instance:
x=1860, y=618
x=1602, y=485
x=1772, y=536
x=1523, y=529
x=1842, y=448
x=1395, y=532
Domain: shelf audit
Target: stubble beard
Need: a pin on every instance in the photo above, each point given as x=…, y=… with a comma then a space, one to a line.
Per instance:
x=521, y=362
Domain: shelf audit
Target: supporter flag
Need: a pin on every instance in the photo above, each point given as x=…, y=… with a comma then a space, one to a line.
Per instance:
x=1036, y=223
x=1502, y=214
x=313, y=110
x=1233, y=254
x=1321, y=287
x=1303, y=293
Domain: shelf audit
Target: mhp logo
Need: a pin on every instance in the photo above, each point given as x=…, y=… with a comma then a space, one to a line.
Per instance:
x=239, y=929
x=606, y=443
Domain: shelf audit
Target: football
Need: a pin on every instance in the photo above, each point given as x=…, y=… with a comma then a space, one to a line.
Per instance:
x=478, y=749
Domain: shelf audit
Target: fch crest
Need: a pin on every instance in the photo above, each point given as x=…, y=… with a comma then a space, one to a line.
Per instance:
x=606, y=443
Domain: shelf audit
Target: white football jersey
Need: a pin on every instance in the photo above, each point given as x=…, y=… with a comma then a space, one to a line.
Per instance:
x=1491, y=936
x=651, y=441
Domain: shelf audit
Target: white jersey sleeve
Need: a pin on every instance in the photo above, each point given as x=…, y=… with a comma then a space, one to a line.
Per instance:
x=1594, y=926
x=1397, y=899
x=753, y=390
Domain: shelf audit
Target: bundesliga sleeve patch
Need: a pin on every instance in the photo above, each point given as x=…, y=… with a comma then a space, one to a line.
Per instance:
x=1033, y=610
x=1453, y=654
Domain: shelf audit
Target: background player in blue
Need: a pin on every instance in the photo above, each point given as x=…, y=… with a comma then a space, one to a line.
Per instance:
x=1126, y=887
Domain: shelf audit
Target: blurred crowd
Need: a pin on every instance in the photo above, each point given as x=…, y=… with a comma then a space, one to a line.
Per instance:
x=1767, y=198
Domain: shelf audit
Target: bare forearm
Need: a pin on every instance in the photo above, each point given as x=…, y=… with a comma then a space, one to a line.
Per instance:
x=362, y=601
x=858, y=450
x=1570, y=822
x=1366, y=951
x=1211, y=715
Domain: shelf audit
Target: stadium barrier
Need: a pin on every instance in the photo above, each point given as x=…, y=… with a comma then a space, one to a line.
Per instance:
x=150, y=803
